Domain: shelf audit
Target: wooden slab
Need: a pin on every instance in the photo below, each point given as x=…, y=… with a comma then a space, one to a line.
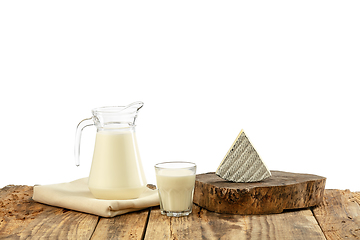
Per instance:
x=283, y=190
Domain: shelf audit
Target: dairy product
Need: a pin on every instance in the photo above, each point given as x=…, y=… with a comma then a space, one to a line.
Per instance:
x=116, y=171
x=242, y=163
x=176, y=187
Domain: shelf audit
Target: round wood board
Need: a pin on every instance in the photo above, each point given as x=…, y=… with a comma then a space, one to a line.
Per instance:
x=283, y=190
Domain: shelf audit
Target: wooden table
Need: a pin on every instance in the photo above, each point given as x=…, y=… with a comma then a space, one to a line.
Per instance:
x=338, y=217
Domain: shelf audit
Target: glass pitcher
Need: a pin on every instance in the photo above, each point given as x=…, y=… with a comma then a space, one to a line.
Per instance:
x=116, y=169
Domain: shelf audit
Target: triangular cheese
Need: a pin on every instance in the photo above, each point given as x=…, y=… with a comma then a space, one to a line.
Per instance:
x=242, y=163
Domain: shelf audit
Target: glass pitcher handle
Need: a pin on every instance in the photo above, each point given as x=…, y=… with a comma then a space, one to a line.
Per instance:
x=84, y=123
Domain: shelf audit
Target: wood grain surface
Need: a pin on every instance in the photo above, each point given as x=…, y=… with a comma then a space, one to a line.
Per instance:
x=337, y=217
x=127, y=226
x=22, y=218
x=203, y=224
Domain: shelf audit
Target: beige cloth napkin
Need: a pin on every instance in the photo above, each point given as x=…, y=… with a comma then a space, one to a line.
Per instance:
x=77, y=196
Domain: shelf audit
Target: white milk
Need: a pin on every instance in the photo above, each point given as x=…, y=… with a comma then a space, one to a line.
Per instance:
x=176, y=188
x=116, y=171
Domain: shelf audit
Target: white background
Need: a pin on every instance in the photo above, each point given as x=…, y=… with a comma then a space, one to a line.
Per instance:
x=284, y=71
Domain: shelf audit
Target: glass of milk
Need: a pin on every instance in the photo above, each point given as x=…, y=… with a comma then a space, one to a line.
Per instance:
x=175, y=183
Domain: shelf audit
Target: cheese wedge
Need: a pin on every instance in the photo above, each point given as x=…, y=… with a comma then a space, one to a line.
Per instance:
x=242, y=163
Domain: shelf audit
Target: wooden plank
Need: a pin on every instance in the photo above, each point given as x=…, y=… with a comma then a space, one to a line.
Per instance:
x=10, y=219
x=356, y=197
x=283, y=190
x=203, y=224
x=21, y=218
x=339, y=215
x=158, y=226
x=298, y=224
x=127, y=226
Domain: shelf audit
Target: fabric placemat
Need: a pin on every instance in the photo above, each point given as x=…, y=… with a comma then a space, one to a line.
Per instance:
x=76, y=195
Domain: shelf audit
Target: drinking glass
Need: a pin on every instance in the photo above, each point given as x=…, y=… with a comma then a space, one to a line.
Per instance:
x=175, y=183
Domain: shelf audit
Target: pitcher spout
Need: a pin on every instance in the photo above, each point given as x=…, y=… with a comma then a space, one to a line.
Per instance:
x=135, y=105
x=133, y=108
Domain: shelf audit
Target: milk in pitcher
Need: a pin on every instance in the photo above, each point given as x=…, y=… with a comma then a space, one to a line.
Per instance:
x=115, y=171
